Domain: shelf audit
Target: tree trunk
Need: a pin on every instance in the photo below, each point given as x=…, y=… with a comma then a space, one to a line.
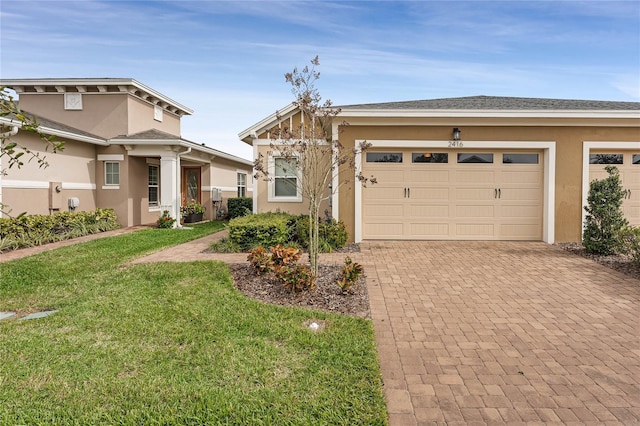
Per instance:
x=313, y=235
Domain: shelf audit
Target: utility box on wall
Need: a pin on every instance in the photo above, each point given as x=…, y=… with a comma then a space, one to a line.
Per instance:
x=55, y=197
x=216, y=194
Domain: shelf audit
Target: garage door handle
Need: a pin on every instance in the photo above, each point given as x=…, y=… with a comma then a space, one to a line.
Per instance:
x=629, y=194
x=495, y=192
x=408, y=192
x=499, y=193
x=405, y=193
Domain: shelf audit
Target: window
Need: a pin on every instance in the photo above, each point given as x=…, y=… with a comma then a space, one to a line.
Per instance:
x=605, y=158
x=430, y=157
x=384, y=157
x=154, y=185
x=475, y=158
x=111, y=173
x=242, y=184
x=284, y=185
x=520, y=159
x=635, y=159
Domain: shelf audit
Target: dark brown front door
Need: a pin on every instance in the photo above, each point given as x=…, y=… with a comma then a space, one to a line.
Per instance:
x=190, y=184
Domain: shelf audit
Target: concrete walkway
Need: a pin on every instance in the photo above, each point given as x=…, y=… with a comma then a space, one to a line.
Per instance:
x=503, y=333
x=493, y=332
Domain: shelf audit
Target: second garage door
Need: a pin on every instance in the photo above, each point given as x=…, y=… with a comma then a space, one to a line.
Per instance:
x=453, y=195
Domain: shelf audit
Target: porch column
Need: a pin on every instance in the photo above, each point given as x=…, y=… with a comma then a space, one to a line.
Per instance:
x=169, y=191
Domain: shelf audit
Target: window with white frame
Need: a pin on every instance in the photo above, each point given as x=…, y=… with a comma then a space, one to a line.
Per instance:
x=111, y=173
x=242, y=184
x=285, y=183
x=154, y=185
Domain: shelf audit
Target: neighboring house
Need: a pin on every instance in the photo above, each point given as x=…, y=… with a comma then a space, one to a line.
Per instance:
x=471, y=168
x=123, y=151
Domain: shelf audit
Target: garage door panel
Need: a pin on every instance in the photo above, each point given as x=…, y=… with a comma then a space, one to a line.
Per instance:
x=475, y=230
x=474, y=194
x=429, y=210
x=384, y=193
x=519, y=211
x=520, y=194
x=383, y=209
x=436, y=194
x=516, y=177
x=475, y=177
x=425, y=177
x=521, y=231
x=469, y=211
x=384, y=229
x=430, y=230
x=389, y=177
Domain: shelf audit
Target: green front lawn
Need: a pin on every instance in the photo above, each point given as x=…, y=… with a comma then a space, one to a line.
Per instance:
x=169, y=343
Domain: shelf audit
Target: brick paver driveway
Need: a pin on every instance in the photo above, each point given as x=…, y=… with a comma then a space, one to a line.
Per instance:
x=500, y=332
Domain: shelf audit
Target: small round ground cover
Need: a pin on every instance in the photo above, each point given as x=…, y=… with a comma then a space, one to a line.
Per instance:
x=327, y=296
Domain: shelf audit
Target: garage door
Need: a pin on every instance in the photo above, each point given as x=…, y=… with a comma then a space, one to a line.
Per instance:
x=628, y=163
x=453, y=195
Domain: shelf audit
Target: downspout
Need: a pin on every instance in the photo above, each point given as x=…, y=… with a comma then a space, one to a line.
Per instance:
x=178, y=186
x=4, y=136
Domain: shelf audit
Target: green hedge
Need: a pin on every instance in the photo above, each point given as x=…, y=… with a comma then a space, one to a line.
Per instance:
x=239, y=207
x=264, y=229
x=333, y=234
x=35, y=230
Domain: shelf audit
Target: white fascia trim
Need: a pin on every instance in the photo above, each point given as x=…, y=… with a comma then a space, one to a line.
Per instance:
x=335, y=178
x=56, y=132
x=549, y=148
x=24, y=184
x=457, y=113
x=586, y=150
x=251, y=133
x=79, y=186
x=110, y=157
x=255, y=181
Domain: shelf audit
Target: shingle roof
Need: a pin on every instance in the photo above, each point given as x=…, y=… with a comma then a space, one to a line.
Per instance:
x=152, y=134
x=499, y=103
x=54, y=125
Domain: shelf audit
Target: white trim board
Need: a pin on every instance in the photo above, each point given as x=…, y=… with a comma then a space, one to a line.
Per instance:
x=549, y=190
x=586, y=149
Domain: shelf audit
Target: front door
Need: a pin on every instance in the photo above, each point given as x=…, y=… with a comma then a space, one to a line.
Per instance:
x=190, y=184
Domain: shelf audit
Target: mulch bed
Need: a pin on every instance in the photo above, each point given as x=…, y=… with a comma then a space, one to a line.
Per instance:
x=620, y=263
x=327, y=296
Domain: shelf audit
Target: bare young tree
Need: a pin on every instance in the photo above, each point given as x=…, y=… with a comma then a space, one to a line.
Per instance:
x=14, y=153
x=309, y=152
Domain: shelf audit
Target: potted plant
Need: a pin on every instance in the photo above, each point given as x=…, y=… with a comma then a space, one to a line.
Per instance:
x=192, y=212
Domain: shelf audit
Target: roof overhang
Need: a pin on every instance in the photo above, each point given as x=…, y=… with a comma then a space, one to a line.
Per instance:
x=248, y=135
x=95, y=85
x=460, y=113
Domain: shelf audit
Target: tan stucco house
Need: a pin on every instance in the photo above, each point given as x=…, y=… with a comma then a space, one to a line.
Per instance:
x=123, y=151
x=471, y=168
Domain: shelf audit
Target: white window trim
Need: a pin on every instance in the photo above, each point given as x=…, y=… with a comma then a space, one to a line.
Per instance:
x=586, y=150
x=549, y=163
x=153, y=207
x=111, y=185
x=238, y=186
x=271, y=168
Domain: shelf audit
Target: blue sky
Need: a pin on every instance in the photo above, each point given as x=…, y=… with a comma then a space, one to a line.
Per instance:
x=227, y=59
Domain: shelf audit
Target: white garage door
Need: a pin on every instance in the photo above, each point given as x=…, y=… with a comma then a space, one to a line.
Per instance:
x=453, y=195
x=628, y=163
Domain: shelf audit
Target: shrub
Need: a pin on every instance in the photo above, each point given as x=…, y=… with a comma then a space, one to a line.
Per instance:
x=284, y=256
x=165, y=221
x=605, y=220
x=261, y=260
x=296, y=277
x=238, y=207
x=349, y=274
x=631, y=243
x=333, y=234
x=264, y=229
x=34, y=230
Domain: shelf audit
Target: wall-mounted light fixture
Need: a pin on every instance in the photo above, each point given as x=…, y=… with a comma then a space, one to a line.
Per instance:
x=456, y=134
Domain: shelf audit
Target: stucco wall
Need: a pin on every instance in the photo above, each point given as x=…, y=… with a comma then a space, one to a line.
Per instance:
x=140, y=118
x=103, y=115
x=116, y=198
x=27, y=189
